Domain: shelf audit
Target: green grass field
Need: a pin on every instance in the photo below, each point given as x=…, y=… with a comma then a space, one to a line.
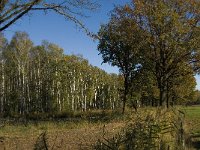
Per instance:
x=192, y=118
x=192, y=124
x=192, y=112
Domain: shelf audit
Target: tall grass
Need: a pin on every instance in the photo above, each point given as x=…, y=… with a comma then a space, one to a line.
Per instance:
x=149, y=130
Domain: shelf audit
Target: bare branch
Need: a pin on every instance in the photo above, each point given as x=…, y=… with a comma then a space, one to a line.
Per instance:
x=72, y=10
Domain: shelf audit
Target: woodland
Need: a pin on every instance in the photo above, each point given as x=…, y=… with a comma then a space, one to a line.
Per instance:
x=155, y=45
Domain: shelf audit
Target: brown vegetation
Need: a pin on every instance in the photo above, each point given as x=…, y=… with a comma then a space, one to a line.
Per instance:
x=64, y=135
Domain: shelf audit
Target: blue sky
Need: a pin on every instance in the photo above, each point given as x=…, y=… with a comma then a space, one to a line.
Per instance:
x=56, y=29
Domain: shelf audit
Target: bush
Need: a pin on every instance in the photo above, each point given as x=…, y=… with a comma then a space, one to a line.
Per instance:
x=160, y=129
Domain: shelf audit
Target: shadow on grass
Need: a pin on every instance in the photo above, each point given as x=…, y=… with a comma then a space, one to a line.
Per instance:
x=195, y=141
x=196, y=145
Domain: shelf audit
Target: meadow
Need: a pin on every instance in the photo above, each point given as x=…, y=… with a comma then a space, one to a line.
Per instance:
x=192, y=124
x=192, y=118
x=64, y=133
x=85, y=133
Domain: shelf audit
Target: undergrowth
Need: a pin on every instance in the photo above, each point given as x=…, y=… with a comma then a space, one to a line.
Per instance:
x=149, y=130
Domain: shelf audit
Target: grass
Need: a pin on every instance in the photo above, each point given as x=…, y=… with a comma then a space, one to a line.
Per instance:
x=80, y=134
x=60, y=134
x=192, y=124
x=192, y=112
x=192, y=118
x=148, y=129
x=188, y=136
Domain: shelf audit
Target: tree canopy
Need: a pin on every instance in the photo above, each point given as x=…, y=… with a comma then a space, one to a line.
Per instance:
x=162, y=36
x=117, y=46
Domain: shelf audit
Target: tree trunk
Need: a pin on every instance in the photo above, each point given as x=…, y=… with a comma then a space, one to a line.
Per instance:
x=163, y=95
x=125, y=94
x=167, y=102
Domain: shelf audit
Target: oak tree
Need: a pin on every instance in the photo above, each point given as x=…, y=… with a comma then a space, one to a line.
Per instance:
x=119, y=44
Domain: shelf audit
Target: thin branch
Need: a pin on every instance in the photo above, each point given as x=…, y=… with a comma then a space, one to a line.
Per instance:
x=19, y=16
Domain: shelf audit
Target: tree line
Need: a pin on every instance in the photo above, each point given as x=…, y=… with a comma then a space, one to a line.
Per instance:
x=154, y=43
x=41, y=79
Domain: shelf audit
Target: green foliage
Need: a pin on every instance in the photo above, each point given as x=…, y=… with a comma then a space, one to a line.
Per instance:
x=194, y=98
x=117, y=45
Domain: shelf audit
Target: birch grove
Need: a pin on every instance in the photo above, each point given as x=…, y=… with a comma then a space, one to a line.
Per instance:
x=42, y=79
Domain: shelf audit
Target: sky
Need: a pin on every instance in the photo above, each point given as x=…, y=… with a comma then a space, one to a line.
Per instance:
x=56, y=29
